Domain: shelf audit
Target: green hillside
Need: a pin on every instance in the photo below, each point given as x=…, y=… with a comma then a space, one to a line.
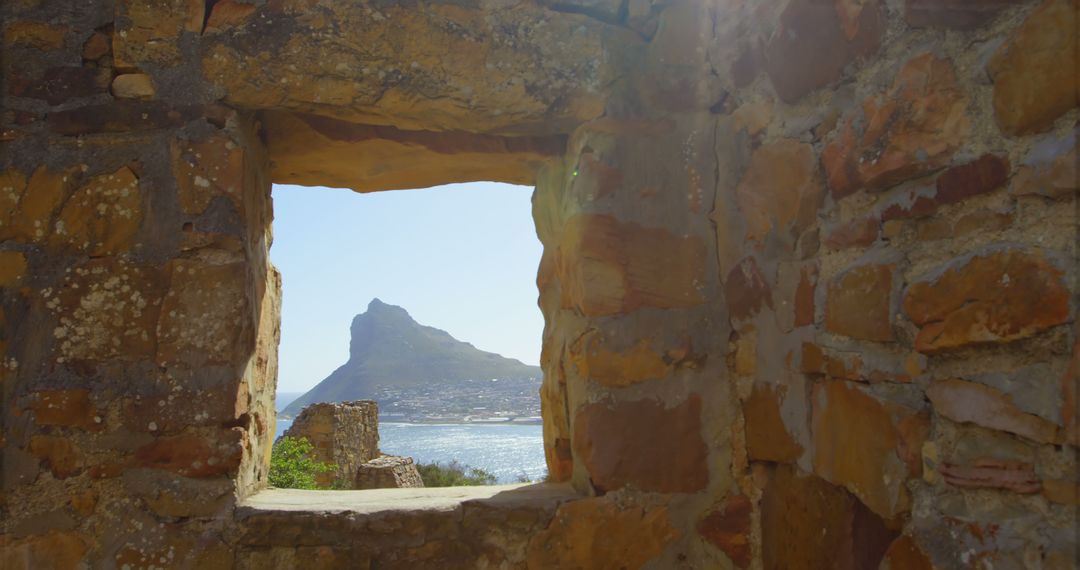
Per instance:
x=390, y=349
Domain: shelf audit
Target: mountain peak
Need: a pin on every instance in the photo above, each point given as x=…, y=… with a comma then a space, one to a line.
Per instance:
x=390, y=349
x=378, y=308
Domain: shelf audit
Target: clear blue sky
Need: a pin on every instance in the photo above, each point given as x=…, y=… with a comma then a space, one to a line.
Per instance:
x=460, y=257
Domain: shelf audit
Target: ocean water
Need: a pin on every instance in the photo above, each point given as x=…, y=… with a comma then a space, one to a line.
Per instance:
x=511, y=452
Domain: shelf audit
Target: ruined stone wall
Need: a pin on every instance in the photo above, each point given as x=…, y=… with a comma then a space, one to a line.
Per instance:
x=344, y=434
x=810, y=288
x=809, y=271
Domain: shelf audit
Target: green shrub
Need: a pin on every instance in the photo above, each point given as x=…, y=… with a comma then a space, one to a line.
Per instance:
x=292, y=468
x=453, y=474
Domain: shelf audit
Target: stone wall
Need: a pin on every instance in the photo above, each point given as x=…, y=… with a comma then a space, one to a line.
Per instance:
x=809, y=271
x=344, y=434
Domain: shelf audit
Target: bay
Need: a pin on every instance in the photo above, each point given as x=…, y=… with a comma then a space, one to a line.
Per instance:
x=512, y=452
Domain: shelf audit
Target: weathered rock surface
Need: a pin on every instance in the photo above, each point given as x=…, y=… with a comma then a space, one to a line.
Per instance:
x=387, y=472
x=345, y=435
x=738, y=369
x=959, y=306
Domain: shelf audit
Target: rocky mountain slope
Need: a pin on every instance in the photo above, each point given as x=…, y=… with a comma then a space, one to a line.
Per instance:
x=391, y=350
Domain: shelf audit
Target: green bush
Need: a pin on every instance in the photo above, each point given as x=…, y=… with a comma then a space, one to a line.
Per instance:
x=453, y=474
x=292, y=468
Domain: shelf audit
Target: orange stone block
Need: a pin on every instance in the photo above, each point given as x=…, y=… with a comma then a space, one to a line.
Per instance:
x=206, y=170
x=728, y=528
x=767, y=437
x=59, y=454
x=66, y=408
x=970, y=402
x=644, y=444
x=913, y=128
x=609, y=267
x=859, y=303
x=55, y=550
x=596, y=360
x=781, y=191
x=192, y=455
x=599, y=533
x=103, y=216
x=1035, y=70
x=863, y=444
x=12, y=268
x=993, y=297
x=905, y=554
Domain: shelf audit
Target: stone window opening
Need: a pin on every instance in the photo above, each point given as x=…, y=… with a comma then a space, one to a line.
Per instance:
x=344, y=429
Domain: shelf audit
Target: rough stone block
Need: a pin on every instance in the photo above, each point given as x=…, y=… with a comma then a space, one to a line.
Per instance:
x=868, y=446
x=643, y=444
x=608, y=267
x=1034, y=71
x=387, y=472
x=859, y=303
x=728, y=527
x=816, y=41
x=913, y=128
x=956, y=306
x=598, y=532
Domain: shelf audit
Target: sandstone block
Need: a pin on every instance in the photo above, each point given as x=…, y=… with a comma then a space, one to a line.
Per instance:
x=313, y=150
x=202, y=314
x=597, y=360
x=985, y=174
x=34, y=34
x=1012, y=476
x=608, y=267
x=12, y=268
x=600, y=533
x=1049, y=169
x=208, y=169
x=96, y=46
x=643, y=444
x=57, y=550
x=808, y=523
x=1034, y=71
x=780, y=192
x=28, y=207
x=59, y=454
x=767, y=437
x=963, y=401
x=66, y=408
x=805, y=303
x=956, y=307
x=192, y=455
x=728, y=528
x=859, y=303
x=106, y=309
x=856, y=233
x=904, y=554
x=955, y=14
x=816, y=41
x=103, y=216
x=746, y=291
x=868, y=446
x=121, y=116
x=913, y=128
x=133, y=86
x=227, y=14
x=387, y=472
x=59, y=84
